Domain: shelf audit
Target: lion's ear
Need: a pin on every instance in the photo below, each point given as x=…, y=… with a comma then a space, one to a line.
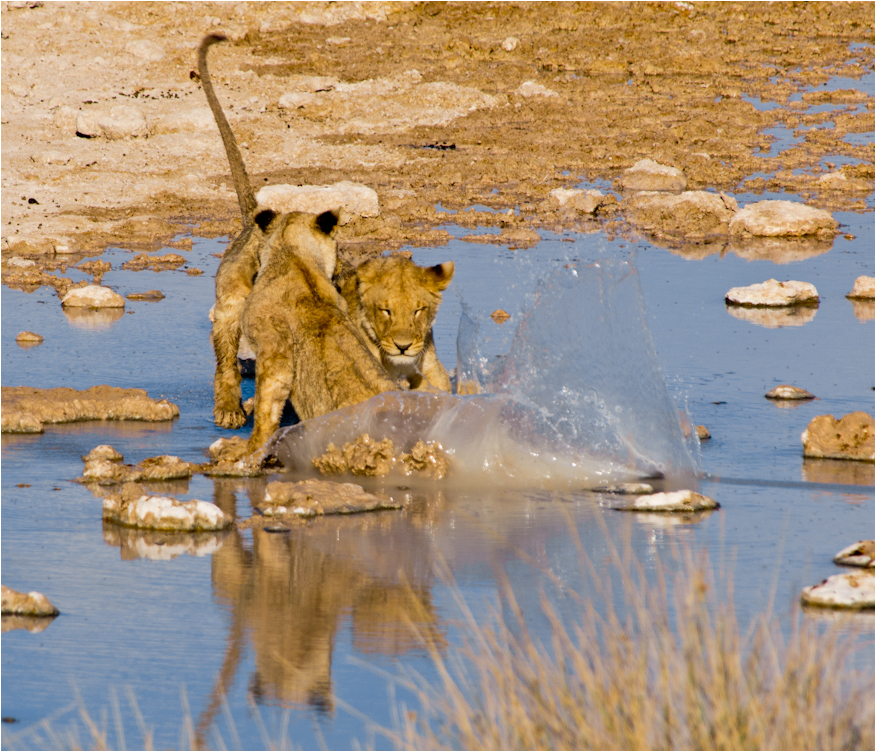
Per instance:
x=441, y=274
x=264, y=218
x=327, y=221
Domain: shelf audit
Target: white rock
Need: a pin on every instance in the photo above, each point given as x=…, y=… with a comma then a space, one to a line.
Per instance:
x=774, y=293
x=584, y=200
x=164, y=513
x=626, y=488
x=295, y=99
x=860, y=554
x=648, y=175
x=25, y=604
x=116, y=123
x=21, y=263
x=93, y=296
x=510, y=44
x=532, y=89
x=775, y=218
x=145, y=49
x=788, y=392
x=673, y=501
x=355, y=199
x=851, y=590
x=864, y=288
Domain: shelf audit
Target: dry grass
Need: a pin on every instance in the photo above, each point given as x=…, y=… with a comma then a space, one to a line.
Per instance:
x=640, y=682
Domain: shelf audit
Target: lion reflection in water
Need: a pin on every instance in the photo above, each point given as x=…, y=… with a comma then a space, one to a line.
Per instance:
x=290, y=591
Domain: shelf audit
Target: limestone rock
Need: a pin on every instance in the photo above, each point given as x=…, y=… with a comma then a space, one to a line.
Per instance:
x=648, y=175
x=634, y=489
x=509, y=44
x=113, y=124
x=851, y=590
x=532, y=89
x=500, y=316
x=26, y=408
x=863, y=289
x=29, y=338
x=788, y=392
x=584, y=200
x=691, y=214
x=153, y=295
x=310, y=498
x=774, y=293
x=25, y=604
x=365, y=456
x=673, y=501
x=104, y=465
x=703, y=433
x=860, y=554
x=145, y=49
x=355, y=199
x=775, y=218
x=850, y=438
x=156, y=263
x=164, y=513
x=93, y=296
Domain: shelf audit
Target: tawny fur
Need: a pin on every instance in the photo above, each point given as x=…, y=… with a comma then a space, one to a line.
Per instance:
x=307, y=349
x=393, y=302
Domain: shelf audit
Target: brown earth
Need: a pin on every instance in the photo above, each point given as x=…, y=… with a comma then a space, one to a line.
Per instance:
x=424, y=102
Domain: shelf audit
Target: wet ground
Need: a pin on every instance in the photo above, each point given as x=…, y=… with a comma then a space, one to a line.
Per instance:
x=297, y=629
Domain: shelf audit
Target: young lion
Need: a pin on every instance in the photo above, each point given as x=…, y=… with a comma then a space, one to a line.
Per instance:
x=307, y=349
x=393, y=302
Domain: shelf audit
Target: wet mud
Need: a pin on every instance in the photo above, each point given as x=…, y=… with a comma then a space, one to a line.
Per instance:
x=428, y=104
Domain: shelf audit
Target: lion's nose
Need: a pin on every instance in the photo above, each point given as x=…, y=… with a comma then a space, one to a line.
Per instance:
x=402, y=346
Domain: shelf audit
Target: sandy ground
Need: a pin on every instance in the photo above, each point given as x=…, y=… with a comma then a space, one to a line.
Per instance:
x=107, y=139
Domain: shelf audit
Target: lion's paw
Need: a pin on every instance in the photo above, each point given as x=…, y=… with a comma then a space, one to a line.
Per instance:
x=229, y=418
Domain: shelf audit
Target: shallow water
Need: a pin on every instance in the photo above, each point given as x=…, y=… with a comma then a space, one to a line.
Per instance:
x=309, y=620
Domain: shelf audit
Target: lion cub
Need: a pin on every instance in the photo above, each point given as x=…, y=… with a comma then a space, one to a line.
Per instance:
x=393, y=302
x=307, y=349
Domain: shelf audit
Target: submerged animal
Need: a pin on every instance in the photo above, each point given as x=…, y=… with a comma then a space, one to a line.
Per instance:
x=394, y=302
x=307, y=349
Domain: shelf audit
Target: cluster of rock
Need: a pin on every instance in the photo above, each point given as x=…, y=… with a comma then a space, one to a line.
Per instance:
x=105, y=466
x=313, y=498
x=367, y=457
x=26, y=409
x=853, y=591
x=657, y=202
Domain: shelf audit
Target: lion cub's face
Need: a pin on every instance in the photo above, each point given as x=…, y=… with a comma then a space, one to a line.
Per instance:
x=397, y=302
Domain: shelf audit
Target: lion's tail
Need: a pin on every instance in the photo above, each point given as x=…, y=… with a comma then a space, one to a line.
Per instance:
x=245, y=195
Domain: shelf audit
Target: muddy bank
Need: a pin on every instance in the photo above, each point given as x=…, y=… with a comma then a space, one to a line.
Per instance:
x=108, y=140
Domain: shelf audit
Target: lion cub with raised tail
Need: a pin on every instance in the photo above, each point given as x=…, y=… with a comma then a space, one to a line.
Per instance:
x=394, y=302
x=307, y=349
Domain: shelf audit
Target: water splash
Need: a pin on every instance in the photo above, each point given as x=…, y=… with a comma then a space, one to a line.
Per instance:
x=578, y=399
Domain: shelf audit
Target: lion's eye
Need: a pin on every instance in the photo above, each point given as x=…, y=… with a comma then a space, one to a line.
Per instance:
x=384, y=312
x=419, y=312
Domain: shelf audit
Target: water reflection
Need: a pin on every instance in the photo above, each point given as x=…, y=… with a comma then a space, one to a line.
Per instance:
x=33, y=624
x=290, y=592
x=845, y=472
x=780, y=250
x=158, y=545
x=774, y=318
x=865, y=310
x=93, y=318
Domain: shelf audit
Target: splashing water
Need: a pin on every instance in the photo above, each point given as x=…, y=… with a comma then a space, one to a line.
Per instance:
x=578, y=399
